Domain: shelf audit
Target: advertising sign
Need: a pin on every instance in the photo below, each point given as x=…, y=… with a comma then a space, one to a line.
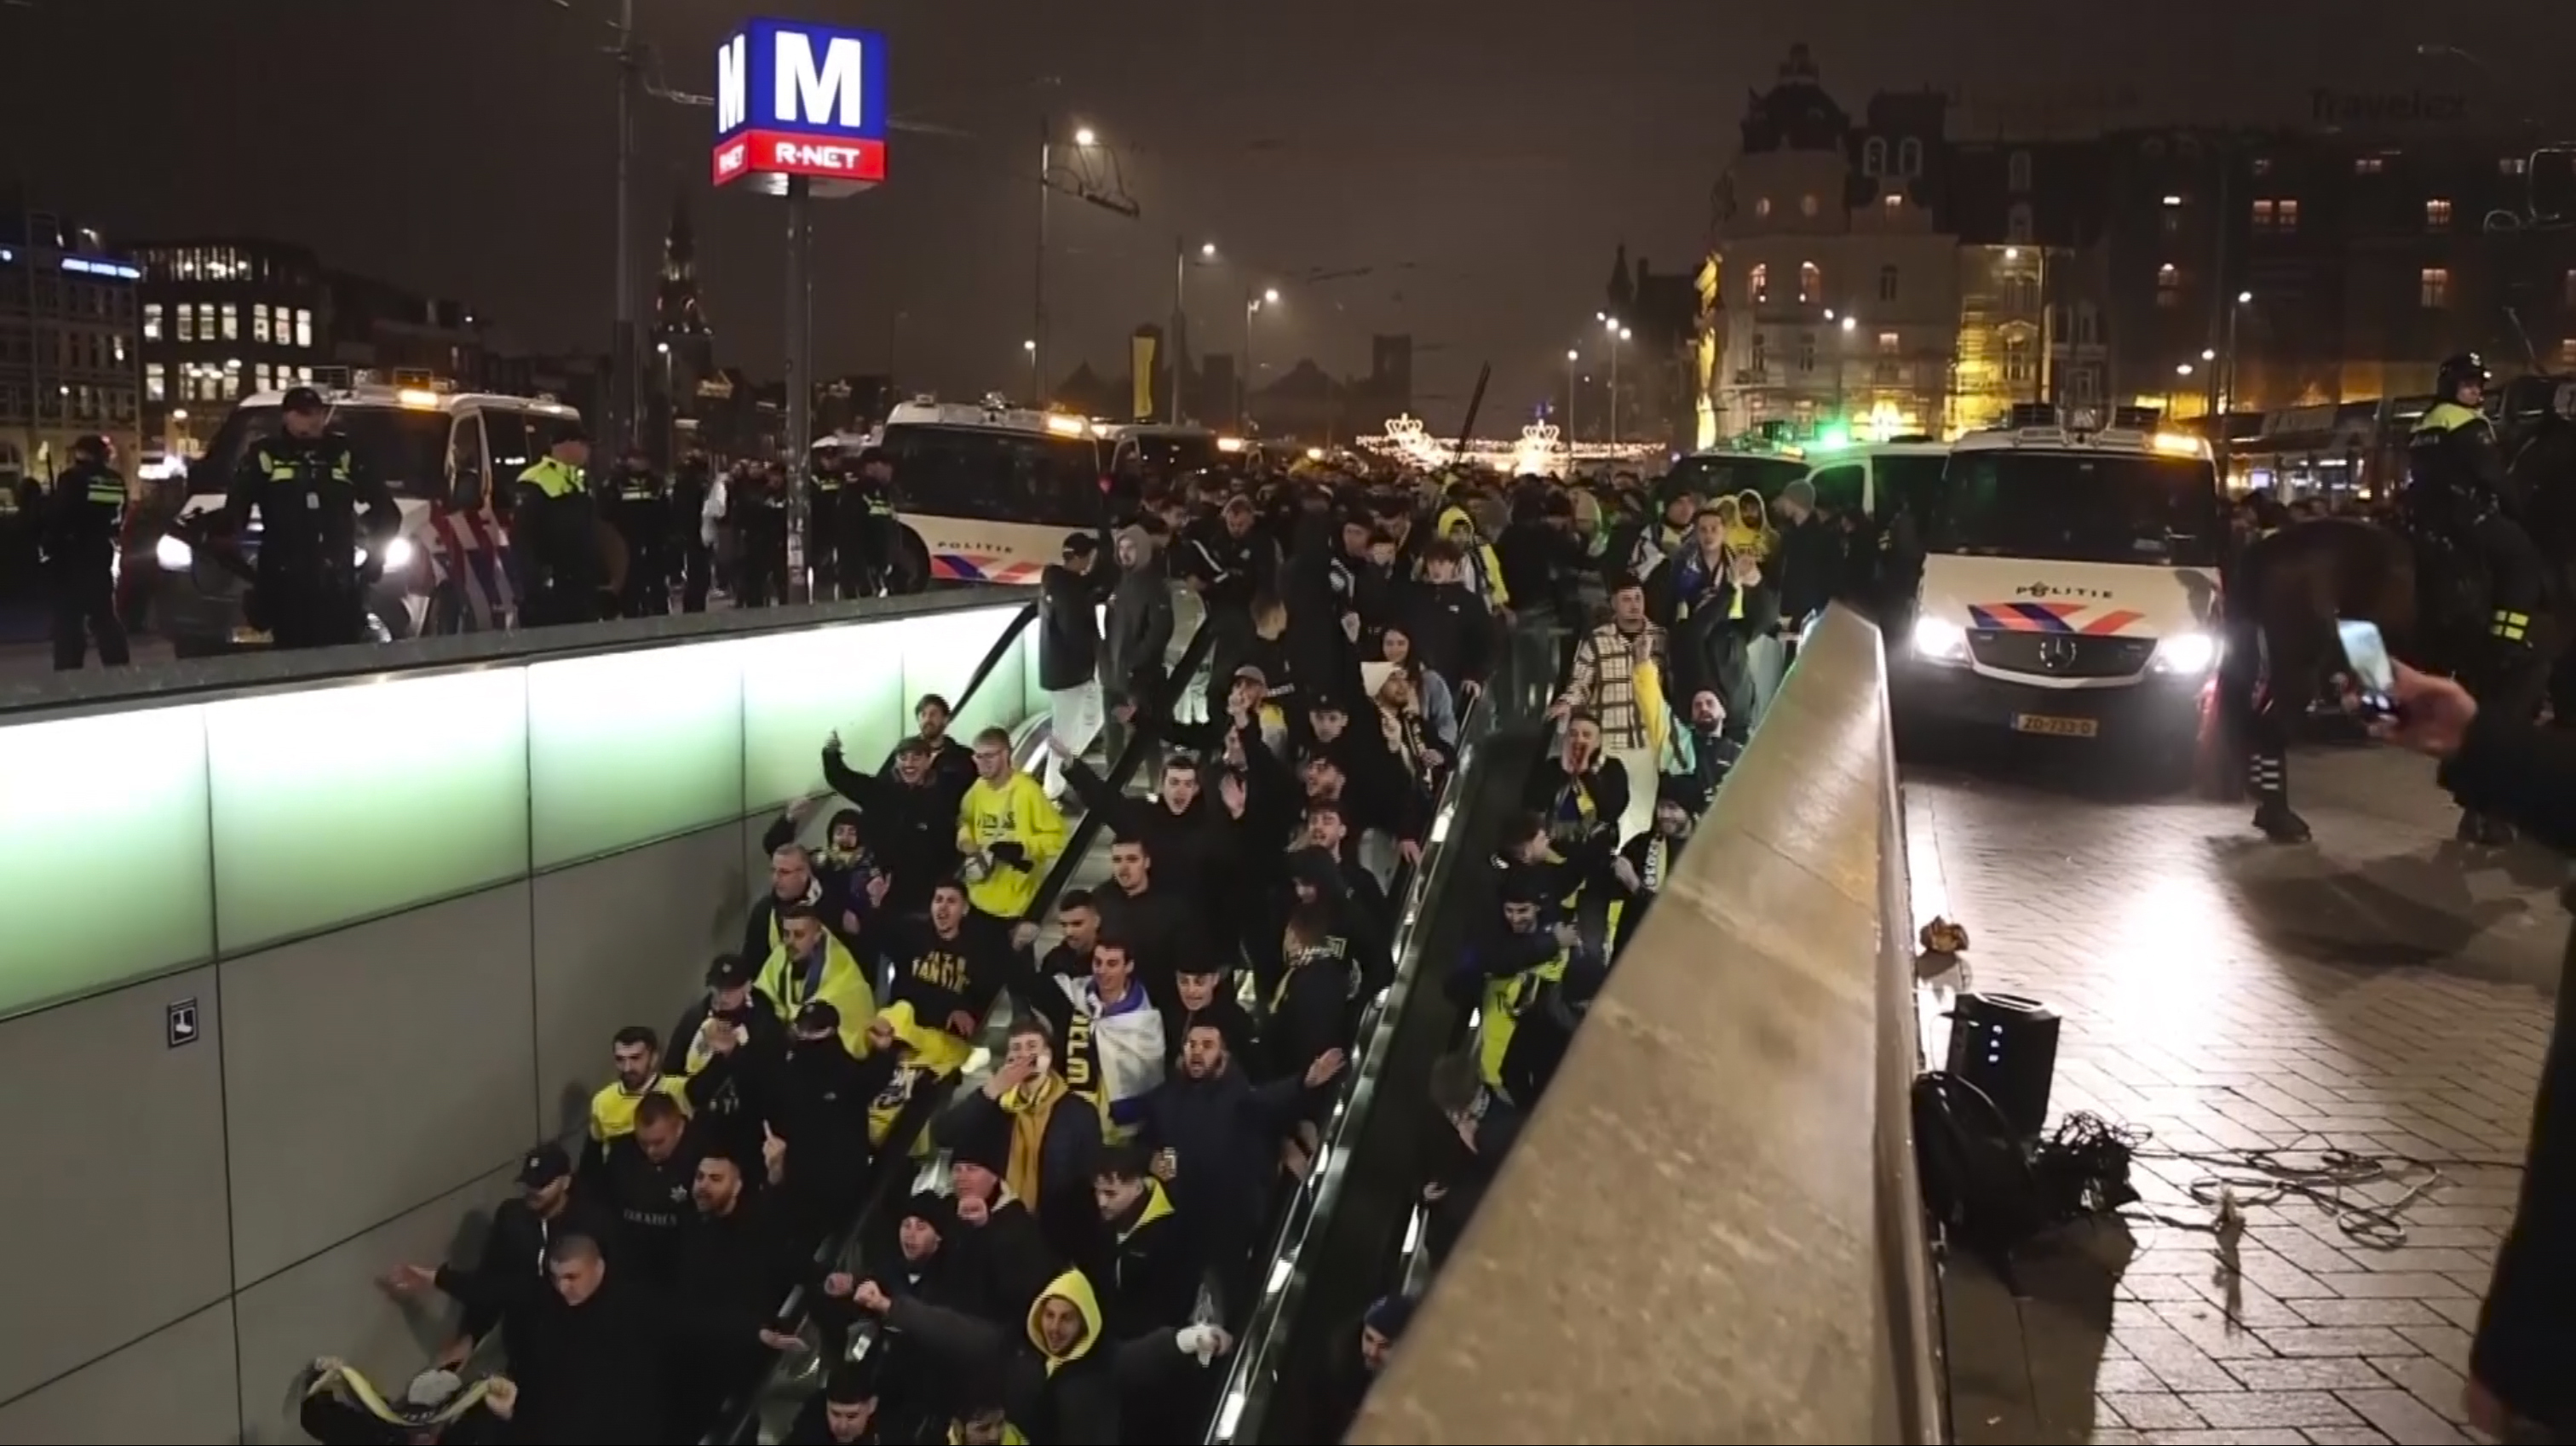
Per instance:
x=795, y=98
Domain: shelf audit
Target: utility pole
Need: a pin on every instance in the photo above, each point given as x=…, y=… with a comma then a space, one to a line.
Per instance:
x=1180, y=311
x=621, y=361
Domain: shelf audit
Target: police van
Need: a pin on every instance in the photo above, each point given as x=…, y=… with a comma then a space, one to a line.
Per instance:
x=449, y=458
x=2069, y=588
x=1877, y=479
x=986, y=493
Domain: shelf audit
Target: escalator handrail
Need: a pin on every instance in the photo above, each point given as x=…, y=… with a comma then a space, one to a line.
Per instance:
x=895, y=1167
x=1311, y=1198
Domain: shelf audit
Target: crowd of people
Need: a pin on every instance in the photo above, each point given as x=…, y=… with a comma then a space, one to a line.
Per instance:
x=1097, y=1095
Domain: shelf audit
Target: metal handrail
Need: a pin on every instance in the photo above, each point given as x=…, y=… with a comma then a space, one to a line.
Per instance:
x=894, y=1164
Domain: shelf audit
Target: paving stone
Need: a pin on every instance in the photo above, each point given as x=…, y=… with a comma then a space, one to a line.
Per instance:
x=2402, y=1415
x=2377, y=991
x=2151, y=1411
x=2253, y=1409
x=2345, y=1436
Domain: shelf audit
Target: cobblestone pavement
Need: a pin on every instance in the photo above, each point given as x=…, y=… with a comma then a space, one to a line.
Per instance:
x=2380, y=991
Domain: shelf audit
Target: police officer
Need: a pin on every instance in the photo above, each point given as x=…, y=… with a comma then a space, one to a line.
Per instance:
x=694, y=559
x=867, y=527
x=554, y=537
x=2459, y=486
x=823, y=520
x=82, y=522
x=308, y=485
x=639, y=508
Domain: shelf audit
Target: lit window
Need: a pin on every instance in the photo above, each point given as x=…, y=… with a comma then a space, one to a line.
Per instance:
x=304, y=375
x=117, y=344
x=2433, y=287
x=188, y=320
x=232, y=322
x=152, y=321
x=232, y=385
x=2369, y=165
x=1811, y=283
x=2017, y=171
x=1757, y=284
x=1806, y=351
x=1807, y=204
x=259, y=321
x=1887, y=283
x=2566, y=353
x=263, y=374
x=2567, y=287
x=304, y=330
x=2168, y=286
x=1760, y=348
x=1762, y=206
x=2263, y=215
x=1894, y=203
x=2288, y=211
x=156, y=383
x=205, y=321
x=1889, y=343
x=2437, y=215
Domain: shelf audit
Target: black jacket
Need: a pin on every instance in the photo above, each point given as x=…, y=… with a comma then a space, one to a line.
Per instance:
x=1069, y=623
x=2527, y=1330
x=911, y=827
x=600, y=1371
x=507, y=1285
x=1224, y=1137
x=1139, y=638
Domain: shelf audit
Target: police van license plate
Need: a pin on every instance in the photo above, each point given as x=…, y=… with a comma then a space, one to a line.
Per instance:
x=251, y=638
x=2056, y=727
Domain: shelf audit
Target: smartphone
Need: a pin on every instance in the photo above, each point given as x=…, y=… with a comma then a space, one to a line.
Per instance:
x=2374, y=675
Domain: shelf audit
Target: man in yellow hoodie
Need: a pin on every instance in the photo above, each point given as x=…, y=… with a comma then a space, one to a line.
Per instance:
x=1008, y=832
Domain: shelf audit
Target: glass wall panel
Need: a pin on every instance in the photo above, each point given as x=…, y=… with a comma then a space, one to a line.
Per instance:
x=104, y=873
x=334, y=804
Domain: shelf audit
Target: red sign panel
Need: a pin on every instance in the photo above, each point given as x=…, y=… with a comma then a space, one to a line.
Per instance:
x=783, y=153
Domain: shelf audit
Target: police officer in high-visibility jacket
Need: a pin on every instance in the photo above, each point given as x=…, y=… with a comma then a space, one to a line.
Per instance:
x=82, y=521
x=554, y=537
x=308, y=486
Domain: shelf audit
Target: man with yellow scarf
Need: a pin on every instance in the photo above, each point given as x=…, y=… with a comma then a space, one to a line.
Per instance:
x=1054, y=1136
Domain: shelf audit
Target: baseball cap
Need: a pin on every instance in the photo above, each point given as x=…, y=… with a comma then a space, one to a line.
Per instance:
x=302, y=400
x=818, y=1017
x=1080, y=544
x=730, y=971
x=543, y=1166
x=1250, y=674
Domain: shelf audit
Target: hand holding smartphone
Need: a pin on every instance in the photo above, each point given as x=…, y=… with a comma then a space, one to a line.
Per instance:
x=2374, y=673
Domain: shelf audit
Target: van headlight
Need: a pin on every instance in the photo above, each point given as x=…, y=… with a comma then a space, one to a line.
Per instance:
x=1940, y=640
x=173, y=554
x=2189, y=654
x=398, y=554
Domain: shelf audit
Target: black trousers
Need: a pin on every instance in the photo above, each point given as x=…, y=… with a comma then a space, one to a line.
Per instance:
x=84, y=598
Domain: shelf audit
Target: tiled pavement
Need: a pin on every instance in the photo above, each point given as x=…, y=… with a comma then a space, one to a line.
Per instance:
x=2379, y=990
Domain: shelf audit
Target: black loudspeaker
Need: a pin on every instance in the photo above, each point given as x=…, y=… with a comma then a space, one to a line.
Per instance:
x=2006, y=1046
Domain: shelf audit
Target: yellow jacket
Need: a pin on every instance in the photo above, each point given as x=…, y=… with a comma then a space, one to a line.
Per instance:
x=612, y=1110
x=1013, y=811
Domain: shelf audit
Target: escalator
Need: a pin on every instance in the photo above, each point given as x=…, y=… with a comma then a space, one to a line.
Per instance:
x=1351, y=1233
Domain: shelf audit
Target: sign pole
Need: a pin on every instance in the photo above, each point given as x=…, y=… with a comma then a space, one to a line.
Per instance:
x=800, y=349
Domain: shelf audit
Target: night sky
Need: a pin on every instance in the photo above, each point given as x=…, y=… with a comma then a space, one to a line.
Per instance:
x=1484, y=158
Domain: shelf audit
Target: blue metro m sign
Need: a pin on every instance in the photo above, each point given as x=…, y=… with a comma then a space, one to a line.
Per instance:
x=800, y=99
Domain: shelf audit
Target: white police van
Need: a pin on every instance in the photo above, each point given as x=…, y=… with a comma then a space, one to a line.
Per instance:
x=2069, y=588
x=986, y=493
x=449, y=459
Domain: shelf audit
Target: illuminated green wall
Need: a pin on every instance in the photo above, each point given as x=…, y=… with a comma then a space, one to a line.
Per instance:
x=135, y=843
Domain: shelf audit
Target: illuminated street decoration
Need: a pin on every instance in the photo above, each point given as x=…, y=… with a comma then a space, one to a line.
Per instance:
x=1541, y=450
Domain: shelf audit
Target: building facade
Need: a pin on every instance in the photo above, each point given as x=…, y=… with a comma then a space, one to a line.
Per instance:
x=70, y=348
x=2192, y=269
x=223, y=318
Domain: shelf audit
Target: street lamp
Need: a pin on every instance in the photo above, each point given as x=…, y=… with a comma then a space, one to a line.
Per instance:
x=1618, y=334
x=1037, y=388
x=2183, y=369
x=1085, y=138
x=1572, y=356
x=2245, y=298
x=1251, y=307
x=1181, y=259
x=1851, y=323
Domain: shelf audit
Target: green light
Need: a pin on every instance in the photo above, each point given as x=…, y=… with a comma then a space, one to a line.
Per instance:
x=1833, y=438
